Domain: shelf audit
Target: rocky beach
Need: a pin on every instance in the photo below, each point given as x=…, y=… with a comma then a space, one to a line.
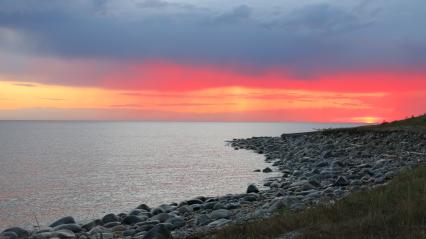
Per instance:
x=315, y=168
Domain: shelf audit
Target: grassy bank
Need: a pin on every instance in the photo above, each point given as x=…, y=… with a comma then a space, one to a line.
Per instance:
x=417, y=124
x=397, y=210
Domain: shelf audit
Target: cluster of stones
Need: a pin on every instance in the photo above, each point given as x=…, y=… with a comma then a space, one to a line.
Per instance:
x=316, y=167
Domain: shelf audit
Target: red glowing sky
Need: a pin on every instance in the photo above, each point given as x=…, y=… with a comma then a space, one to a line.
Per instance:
x=162, y=90
x=326, y=61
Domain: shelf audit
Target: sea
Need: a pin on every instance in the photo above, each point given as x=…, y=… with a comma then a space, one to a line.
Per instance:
x=85, y=169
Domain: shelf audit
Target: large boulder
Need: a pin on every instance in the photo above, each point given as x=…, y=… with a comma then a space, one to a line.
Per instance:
x=64, y=234
x=21, y=233
x=176, y=221
x=64, y=220
x=267, y=170
x=71, y=226
x=220, y=213
x=252, y=189
x=110, y=218
x=132, y=219
x=159, y=231
x=144, y=207
x=219, y=223
x=9, y=235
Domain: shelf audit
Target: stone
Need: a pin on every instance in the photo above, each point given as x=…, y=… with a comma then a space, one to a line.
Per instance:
x=267, y=170
x=249, y=198
x=219, y=214
x=252, y=189
x=71, y=226
x=144, y=207
x=202, y=220
x=157, y=210
x=177, y=222
x=231, y=206
x=130, y=220
x=20, y=232
x=194, y=201
x=257, y=170
x=219, y=223
x=219, y=205
x=9, y=235
x=159, y=231
x=119, y=228
x=96, y=230
x=162, y=217
x=184, y=209
x=42, y=235
x=129, y=233
x=110, y=218
x=111, y=224
x=64, y=233
x=341, y=181
x=64, y=220
x=105, y=235
x=322, y=164
x=88, y=226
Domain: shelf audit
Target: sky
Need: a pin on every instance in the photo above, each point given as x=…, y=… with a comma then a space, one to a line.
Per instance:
x=212, y=60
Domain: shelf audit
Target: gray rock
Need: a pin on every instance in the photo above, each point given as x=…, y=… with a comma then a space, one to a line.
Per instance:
x=64, y=234
x=105, y=235
x=71, y=226
x=202, y=220
x=267, y=170
x=130, y=220
x=322, y=164
x=159, y=231
x=144, y=207
x=20, y=232
x=88, y=226
x=184, y=209
x=129, y=233
x=96, y=230
x=252, y=189
x=9, y=235
x=64, y=220
x=219, y=214
x=177, y=222
x=110, y=218
x=219, y=223
x=162, y=217
x=111, y=224
x=219, y=205
x=42, y=235
x=341, y=181
x=194, y=201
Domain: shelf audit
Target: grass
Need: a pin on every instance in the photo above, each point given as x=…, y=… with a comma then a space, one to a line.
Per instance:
x=397, y=210
x=417, y=124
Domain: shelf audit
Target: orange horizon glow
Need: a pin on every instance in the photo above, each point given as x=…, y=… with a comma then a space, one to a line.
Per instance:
x=165, y=91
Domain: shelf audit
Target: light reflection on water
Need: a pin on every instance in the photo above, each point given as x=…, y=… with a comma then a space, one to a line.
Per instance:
x=85, y=169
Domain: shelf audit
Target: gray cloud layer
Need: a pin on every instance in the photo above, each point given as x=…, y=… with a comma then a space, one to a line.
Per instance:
x=307, y=36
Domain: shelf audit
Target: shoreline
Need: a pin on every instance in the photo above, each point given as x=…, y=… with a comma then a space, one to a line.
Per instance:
x=317, y=167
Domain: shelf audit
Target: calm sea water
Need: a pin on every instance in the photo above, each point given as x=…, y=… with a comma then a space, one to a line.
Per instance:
x=85, y=169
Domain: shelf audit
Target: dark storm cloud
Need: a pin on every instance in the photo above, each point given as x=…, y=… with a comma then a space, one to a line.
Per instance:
x=237, y=14
x=160, y=4
x=321, y=19
x=363, y=34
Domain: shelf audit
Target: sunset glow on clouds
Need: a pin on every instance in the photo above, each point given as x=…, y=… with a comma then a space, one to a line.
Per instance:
x=204, y=61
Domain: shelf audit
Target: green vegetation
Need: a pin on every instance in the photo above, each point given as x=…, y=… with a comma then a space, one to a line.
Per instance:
x=397, y=210
x=417, y=124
